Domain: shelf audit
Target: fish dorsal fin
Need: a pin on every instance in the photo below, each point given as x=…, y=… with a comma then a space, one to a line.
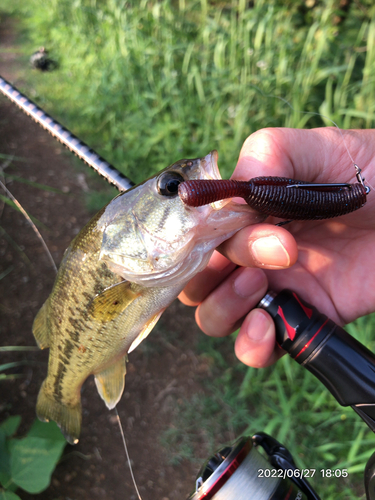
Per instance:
x=40, y=328
x=146, y=330
x=112, y=301
x=111, y=382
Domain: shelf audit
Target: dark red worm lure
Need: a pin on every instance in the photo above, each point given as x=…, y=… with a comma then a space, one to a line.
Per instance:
x=280, y=197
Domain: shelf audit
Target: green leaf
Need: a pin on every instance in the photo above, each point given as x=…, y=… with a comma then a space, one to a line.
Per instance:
x=10, y=425
x=4, y=460
x=46, y=430
x=6, y=272
x=13, y=205
x=8, y=495
x=9, y=377
x=14, y=364
x=33, y=460
x=12, y=157
x=34, y=184
x=6, y=348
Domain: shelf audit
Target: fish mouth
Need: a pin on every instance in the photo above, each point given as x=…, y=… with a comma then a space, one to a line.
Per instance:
x=209, y=163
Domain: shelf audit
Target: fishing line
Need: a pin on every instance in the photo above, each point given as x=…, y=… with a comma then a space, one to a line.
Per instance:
x=312, y=113
x=126, y=452
x=35, y=229
x=2, y=168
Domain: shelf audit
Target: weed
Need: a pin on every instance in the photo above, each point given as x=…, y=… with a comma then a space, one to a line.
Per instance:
x=28, y=463
x=147, y=83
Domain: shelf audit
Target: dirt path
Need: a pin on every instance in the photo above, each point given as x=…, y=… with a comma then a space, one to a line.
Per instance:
x=159, y=374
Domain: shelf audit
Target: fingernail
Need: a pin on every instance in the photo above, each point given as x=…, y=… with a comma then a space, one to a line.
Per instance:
x=269, y=251
x=259, y=326
x=248, y=282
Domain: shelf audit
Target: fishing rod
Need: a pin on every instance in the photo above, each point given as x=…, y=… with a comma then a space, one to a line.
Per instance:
x=63, y=135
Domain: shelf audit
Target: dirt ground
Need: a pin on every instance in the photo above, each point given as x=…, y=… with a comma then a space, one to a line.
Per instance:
x=159, y=374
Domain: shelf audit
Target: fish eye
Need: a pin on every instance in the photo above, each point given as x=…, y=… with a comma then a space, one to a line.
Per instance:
x=168, y=183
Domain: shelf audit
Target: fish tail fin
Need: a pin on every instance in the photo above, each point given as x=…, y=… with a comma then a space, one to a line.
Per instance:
x=68, y=418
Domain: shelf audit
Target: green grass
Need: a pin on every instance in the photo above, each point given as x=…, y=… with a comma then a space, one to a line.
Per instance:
x=15, y=364
x=149, y=82
x=146, y=83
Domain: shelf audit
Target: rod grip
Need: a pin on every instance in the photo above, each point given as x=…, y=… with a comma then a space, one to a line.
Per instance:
x=344, y=365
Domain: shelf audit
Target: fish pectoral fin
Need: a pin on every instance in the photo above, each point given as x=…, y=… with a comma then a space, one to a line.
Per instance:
x=111, y=383
x=146, y=330
x=112, y=301
x=40, y=329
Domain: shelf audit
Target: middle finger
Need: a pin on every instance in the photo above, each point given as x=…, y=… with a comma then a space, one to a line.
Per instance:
x=222, y=311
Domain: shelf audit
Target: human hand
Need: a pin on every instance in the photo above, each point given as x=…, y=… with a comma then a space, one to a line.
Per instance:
x=328, y=263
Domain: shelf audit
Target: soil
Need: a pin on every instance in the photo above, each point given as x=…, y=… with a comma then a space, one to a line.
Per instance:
x=166, y=370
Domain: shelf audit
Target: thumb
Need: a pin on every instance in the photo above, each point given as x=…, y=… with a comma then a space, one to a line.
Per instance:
x=317, y=155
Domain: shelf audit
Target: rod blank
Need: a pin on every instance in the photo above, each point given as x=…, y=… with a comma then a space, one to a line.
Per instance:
x=76, y=146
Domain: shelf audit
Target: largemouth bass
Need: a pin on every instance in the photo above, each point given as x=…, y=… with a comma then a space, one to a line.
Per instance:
x=117, y=277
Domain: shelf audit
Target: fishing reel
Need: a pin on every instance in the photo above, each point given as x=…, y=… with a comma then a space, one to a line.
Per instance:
x=341, y=363
x=240, y=471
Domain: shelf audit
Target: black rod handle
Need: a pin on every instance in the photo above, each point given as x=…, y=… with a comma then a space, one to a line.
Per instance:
x=340, y=362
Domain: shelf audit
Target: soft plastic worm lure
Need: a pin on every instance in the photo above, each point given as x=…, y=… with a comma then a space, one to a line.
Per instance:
x=281, y=197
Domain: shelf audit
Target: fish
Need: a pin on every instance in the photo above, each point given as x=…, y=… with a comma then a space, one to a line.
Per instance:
x=118, y=275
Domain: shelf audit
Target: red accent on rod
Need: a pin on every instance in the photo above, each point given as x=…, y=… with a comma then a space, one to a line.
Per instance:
x=291, y=331
x=306, y=310
x=289, y=493
x=312, y=338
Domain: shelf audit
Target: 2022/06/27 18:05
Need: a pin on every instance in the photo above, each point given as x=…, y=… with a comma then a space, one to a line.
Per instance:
x=301, y=473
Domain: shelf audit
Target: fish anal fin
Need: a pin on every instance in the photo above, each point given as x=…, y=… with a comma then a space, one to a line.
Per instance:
x=146, y=330
x=111, y=382
x=40, y=329
x=68, y=418
x=112, y=301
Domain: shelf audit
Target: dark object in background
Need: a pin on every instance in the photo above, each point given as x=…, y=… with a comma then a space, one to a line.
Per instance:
x=40, y=60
